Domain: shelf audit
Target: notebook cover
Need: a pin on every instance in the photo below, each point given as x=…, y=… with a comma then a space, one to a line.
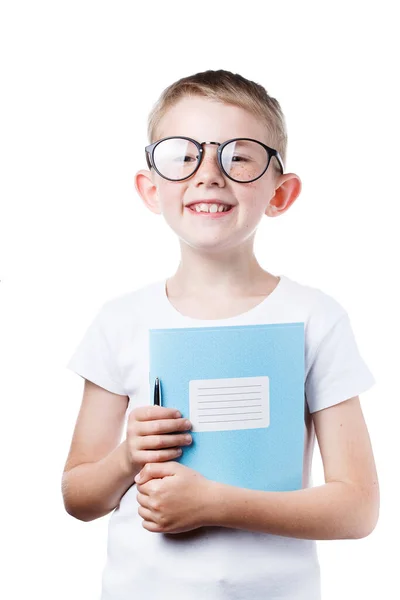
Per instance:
x=242, y=387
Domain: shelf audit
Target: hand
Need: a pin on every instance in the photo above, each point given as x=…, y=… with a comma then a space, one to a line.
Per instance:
x=150, y=436
x=172, y=497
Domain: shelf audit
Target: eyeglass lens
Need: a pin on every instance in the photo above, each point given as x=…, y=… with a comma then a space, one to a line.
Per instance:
x=243, y=160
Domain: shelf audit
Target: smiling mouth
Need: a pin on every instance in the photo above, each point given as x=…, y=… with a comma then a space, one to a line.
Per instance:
x=210, y=215
x=224, y=210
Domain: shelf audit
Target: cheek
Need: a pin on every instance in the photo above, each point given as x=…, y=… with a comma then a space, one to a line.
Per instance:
x=171, y=195
x=254, y=195
x=249, y=197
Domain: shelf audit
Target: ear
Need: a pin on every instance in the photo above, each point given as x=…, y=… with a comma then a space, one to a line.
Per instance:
x=147, y=189
x=287, y=189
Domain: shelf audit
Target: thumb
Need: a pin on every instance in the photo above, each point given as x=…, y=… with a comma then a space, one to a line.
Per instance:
x=156, y=471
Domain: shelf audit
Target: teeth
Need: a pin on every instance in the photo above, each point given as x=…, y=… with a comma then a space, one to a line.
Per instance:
x=213, y=208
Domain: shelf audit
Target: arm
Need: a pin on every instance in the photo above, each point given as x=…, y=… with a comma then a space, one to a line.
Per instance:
x=347, y=506
x=174, y=498
x=97, y=472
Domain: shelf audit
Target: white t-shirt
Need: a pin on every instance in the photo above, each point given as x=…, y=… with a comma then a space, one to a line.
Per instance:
x=215, y=563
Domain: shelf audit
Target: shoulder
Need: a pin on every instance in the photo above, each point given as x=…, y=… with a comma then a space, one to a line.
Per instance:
x=323, y=316
x=129, y=309
x=321, y=310
x=134, y=301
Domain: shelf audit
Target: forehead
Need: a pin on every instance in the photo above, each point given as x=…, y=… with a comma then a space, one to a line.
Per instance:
x=204, y=119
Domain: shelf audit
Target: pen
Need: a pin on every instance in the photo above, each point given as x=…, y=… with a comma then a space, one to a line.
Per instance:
x=157, y=393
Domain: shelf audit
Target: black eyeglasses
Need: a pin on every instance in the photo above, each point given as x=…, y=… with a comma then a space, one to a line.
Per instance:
x=241, y=159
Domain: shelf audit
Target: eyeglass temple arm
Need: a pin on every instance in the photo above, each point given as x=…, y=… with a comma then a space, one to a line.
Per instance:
x=148, y=160
x=280, y=161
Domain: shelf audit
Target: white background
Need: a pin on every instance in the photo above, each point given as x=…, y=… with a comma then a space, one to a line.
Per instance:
x=78, y=81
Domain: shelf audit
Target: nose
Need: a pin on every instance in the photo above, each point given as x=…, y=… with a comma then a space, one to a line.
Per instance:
x=209, y=172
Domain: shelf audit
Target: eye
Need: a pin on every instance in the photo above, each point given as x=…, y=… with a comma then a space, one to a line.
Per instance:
x=186, y=159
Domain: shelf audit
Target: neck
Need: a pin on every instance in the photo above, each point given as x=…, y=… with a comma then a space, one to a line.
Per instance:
x=233, y=273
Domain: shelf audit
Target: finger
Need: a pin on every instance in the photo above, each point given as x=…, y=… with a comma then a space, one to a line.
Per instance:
x=146, y=489
x=156, y=471
x=150, y=413
x=142, y=498
x=161, y=426
x=153, y=527
x=145, y=513
x=158, y=442
x=158, y=456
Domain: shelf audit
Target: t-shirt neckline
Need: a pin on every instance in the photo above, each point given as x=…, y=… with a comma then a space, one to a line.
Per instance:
x=272, y=296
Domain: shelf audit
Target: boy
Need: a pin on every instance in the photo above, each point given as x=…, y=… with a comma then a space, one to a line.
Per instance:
x=216, y=166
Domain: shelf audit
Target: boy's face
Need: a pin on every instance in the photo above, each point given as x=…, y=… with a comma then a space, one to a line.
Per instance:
x=207, y=120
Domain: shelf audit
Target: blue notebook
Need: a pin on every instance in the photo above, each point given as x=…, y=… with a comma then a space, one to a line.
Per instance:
x=242, y=387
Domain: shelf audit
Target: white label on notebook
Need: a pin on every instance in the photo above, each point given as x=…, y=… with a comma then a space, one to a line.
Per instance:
x=229, y=403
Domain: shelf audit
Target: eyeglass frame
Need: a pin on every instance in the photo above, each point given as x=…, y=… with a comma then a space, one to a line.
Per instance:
x=149, y=150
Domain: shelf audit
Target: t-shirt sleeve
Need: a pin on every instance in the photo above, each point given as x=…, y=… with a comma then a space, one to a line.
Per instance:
x=337, y=371
x=94, y=359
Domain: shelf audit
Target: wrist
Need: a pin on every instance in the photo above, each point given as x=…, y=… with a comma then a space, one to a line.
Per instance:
x=213, y=503
x=129, y=468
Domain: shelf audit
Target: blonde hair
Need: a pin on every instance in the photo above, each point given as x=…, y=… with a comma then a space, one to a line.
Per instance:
x=230, y=88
